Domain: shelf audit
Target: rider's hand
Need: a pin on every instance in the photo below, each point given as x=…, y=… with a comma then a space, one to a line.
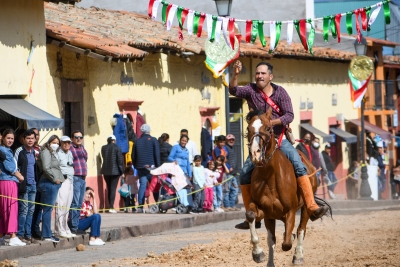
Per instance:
x=237, y=67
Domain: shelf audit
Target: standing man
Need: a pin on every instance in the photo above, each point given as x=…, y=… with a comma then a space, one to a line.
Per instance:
x=233, y=188
x=112, y=168
x=382, y=170
x=146, y=153
x=26, y=162
x=37, y=214
x=330, y=168
x=315, y=158
x=191, y=147
x=262, y=95
x=80, y=171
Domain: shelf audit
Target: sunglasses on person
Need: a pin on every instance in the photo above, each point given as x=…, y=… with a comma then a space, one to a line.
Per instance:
x=78, y=137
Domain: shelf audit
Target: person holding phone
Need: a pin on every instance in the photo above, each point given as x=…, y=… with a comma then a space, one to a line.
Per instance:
x=90, y=217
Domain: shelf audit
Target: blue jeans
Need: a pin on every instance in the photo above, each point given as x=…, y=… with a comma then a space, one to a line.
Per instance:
x=290, y=152
x=37, y=215
x=144, y=178
x=332, y=177
x=217, y=196
x=25, y=211
x=77, y=200
x=318, y=174
x=49, y=192
x=230, y=196
x=94, y=222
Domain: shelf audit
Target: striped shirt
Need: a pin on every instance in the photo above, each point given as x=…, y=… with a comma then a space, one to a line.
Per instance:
x=80, y=159
x=256, y=102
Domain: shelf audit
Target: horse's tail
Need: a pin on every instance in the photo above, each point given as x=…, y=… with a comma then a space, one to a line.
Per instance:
x=320, y=202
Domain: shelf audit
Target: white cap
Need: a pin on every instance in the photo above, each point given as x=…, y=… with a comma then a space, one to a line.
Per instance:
x=112, y=137
x=65, y=139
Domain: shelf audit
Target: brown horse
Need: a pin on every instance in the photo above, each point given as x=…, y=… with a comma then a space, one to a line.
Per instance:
x=274, y=192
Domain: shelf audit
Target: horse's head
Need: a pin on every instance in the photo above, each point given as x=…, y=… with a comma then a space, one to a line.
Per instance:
x=259, y=133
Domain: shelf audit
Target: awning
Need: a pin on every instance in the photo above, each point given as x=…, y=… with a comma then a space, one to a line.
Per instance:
x=348, y=137
x=373, y=128
x=34, y=116
x=325, y=137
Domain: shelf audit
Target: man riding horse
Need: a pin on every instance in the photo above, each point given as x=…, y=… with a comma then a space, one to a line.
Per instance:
x=260, y=96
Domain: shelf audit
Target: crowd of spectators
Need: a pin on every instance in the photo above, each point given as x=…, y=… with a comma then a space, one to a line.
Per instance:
x=43, y=178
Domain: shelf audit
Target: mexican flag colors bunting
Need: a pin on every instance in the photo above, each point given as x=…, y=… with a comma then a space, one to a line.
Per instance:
x=357, y=89
x=300, y=26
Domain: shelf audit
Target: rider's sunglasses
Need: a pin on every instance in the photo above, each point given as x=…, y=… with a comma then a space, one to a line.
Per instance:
x=78, y=137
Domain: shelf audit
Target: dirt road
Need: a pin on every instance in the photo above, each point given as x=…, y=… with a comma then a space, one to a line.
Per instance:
x=365, y=239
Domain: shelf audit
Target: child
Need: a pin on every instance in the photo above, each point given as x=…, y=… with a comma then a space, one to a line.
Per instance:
x=222, y=168
x=198, y=182
x=90, y=217
x=210, y=176
x=131, y=181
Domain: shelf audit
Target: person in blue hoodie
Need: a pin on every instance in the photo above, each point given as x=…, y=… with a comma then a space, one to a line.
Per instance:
x=120, y=134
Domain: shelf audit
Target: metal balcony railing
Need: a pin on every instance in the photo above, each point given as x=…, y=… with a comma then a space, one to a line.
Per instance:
x=381, y=95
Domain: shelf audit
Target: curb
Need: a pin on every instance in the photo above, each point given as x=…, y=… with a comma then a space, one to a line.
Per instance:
x=113, y=234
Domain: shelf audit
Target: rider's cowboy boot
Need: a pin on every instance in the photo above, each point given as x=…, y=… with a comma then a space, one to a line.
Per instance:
x=314, y=211
x=246, y=201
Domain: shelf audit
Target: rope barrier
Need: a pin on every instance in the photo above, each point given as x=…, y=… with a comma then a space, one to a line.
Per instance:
x=137, y=206
x=159, y=202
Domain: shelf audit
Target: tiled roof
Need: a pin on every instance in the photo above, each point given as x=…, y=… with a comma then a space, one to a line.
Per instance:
x=391, y=59
x=122, y=35
x=376, y=41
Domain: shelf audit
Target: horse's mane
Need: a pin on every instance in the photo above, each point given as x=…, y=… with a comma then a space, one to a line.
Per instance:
x=253, y=113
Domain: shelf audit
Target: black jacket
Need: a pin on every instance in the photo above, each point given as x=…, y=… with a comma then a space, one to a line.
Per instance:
x=165, y=149
x=206, y=145
x=328, y=162
x=303, y=149
x=112, y=160
x=22, y=164
x=146, y=152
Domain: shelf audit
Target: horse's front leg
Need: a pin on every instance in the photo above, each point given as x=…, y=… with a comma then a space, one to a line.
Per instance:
x=271, y=240
x=298, y=257
x=289, y=225
x=258, y=253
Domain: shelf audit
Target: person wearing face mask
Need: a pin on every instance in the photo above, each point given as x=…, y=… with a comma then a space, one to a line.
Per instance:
x=305, y=147
x=49, y=184
x=316, y=161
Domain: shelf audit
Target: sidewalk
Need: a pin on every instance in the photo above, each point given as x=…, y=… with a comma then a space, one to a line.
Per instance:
x=126, y=225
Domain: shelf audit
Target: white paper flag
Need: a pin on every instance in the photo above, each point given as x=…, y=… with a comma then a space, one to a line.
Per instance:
x=154, y=10
x=272, y=35
x=171, y=16
x=190, y=22
x=374, y=14
x=289, y=32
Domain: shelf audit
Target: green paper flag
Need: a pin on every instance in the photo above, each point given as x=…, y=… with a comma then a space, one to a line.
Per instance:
x=349, y=23
x=254, y=31
x=386, y=11
x=261, y=32
x=164, y=12
x=196, y=22
x=214, y=25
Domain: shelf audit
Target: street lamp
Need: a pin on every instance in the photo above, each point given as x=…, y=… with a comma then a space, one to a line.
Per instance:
x=365, y=189
x=223, y=7
x=224, y=10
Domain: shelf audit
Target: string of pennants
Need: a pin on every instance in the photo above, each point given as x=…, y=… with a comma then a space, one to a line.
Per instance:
x=255, y=28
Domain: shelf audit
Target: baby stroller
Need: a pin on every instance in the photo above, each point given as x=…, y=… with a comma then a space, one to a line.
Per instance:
x=168, y=195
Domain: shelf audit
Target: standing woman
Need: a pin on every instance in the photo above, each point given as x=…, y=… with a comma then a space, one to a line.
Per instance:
x=9, y=177
x=165, y=147
x=112, y=168
x=49, y=184
x=180, y=155
x=66, y=192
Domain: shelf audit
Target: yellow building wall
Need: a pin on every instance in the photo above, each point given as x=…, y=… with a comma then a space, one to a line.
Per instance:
x=169, y=86
x=21, y=22
x=315, y=80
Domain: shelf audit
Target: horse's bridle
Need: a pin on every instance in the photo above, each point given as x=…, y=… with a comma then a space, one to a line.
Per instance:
x=264, y=146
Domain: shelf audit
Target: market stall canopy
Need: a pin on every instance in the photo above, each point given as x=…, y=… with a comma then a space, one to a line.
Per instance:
x=374, y=129
x=34, y=116
x=348, y=137
x=325, y=137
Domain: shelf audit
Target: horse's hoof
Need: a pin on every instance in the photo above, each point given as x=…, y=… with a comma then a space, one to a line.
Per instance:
x=259, y=257
x=298, y=261
x=286, y=246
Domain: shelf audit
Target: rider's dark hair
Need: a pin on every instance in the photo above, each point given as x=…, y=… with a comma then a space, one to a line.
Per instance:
x=270, y=67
